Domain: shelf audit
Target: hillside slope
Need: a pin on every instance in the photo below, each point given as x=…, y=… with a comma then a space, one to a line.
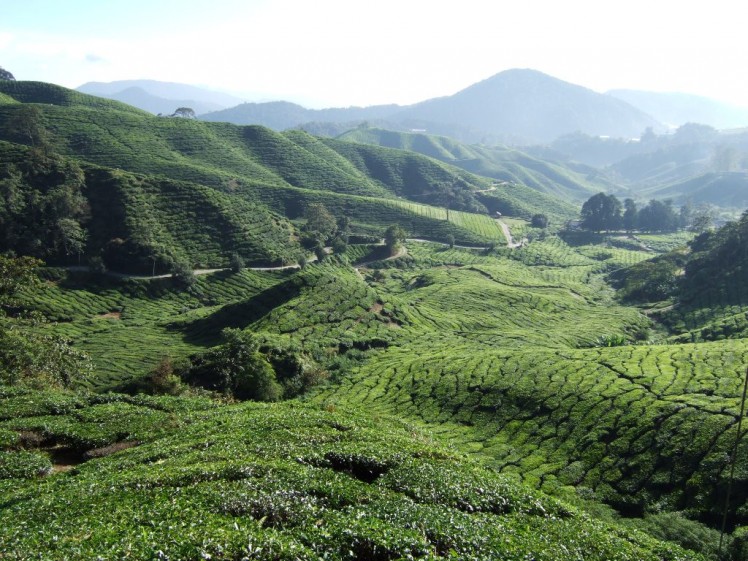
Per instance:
x=275, y=174
x=500, y=163
x=149, y=478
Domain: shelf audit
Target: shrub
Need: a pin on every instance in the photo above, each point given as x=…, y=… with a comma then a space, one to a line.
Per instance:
x=236, y=263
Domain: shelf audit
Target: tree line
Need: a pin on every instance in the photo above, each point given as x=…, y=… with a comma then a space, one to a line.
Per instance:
x=603, y=212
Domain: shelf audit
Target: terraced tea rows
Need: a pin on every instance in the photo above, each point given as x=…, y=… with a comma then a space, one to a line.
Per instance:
x=127, y=326
x=150, y=478
x=638, y=427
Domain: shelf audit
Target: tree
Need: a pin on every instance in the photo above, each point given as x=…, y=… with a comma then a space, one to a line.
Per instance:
x=394, y=235
x=15, y=274
x=339, y=245
x=343, y=228
x=685, y=215
x=601, y=212
x=237, y=263
x=658, y=216
x=702, y=219
x=183, y=274
x=320, y=222
x=5, y=75
x=184, y=112
x=630, y=214
x=238, y=368
x=25, y=126
x=539, y=221
x=28, y=355
x=450, y=240
x=71, y=236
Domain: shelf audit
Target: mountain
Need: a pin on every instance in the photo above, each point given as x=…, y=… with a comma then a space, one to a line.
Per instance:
x=410, y=360
x=533, y=106
x=507, y=165
x=161, y=97
x=138, y=97
x=724, y=189
x=281, y=115
x=676, y=109
x=517, y=106
x=145, y=176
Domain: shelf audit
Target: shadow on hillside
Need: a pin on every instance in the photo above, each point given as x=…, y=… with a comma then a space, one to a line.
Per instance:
x=207, y=331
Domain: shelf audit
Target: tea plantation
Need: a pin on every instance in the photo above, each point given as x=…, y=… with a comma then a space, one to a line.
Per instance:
x=114, y=477
x=458, y=398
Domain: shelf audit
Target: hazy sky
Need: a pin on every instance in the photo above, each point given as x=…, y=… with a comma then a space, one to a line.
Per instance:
x=362, y=52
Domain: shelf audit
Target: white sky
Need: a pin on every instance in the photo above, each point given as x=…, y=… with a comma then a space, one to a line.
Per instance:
x=360, y=52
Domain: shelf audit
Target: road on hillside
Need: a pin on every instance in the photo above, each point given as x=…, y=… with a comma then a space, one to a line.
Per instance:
x=504, y=228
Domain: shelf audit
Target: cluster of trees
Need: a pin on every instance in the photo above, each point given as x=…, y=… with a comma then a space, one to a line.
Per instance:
x=323, y=229
x=5, y=75
x=28, y=356
x=43, y=209
x=604, y=212
x=244, y=368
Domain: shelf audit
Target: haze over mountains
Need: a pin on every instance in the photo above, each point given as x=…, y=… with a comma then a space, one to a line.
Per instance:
x=518, y=106
x=161, y=97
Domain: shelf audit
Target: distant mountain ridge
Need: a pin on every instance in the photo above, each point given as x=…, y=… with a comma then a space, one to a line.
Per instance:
x=676, y=109
x=520, y=106
x=161, y=97
x=530, y=104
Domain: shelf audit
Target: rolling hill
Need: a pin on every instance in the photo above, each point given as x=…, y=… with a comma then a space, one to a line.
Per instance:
x=504, y=164
x=435, y=394
x=276, y=174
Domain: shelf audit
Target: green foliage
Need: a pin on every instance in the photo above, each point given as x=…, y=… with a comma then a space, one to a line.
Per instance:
x=30, y=355
x=657, y=216
x=539, y=221
x=653, y=280
x=236, y=368
x=23, y=465
x=236, y=263
x=16, y=273
x=184, y=478
x=5, y=75
x=319, y=222
x=676, y=528
x=43, y=208
x=394, y=235
x=601, y=212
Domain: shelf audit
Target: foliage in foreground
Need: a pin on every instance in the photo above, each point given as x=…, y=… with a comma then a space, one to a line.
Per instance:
x=170, y=478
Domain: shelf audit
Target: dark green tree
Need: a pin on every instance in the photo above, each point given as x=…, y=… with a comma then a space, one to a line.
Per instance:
x=320, y=223
x=702, y=219
x=29, y=356
x=185, y=113
x=5, y=75
x=339, y=245
x=236, y=263
x=601, y=212
x=182, y=272
x=539, y=221
x=658, y=216
x=394, y=235
x=685, y=215
x=630, y=215
x=237, y=368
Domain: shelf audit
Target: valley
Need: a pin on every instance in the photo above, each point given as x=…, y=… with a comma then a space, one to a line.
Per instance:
x=302, y=347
